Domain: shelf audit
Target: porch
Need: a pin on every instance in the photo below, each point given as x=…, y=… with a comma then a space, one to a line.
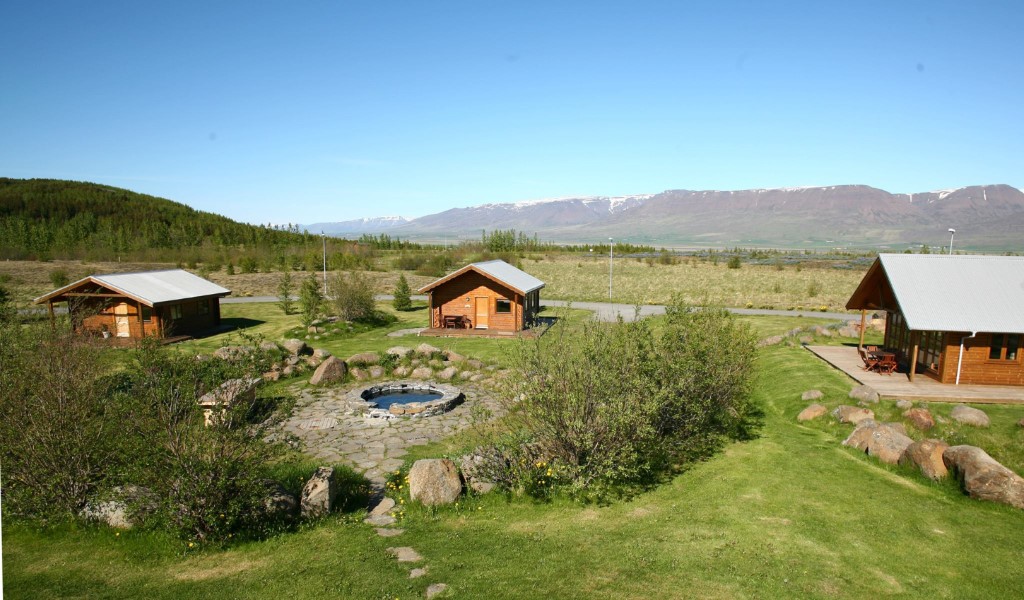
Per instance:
x=923, y=389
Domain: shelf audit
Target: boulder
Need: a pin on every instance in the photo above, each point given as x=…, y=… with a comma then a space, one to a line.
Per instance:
x=447, y=374
x=321, y=354
x=359, y=374
x=296, y=347
x=232, y=352
x=852, y=414
x=226, y=394
x=435, y=589
x=401, y=371
x=453, y=356
x=1020, y=423
x=864, y=393
x=920, y=418
x=277, y=502
x=272, y=376
x=268, y=346
x=969, y=416
x=426, y=349
x=422, y=373
x=363, y=358
x=383, y=507
x=475, y=363
x=465, y=374
x=376, y=371
x=982, y=477
x=473, y=467
x=879, y=440
x=319, y=493
x=926, y=455
x=850, y=332
x=812, y=412
x=434, y=481
x=436, y=363
x=123, y=508
x=812, y=395
x=904, y=404
x=330, y=371
x=399, y=351
x=770, y=341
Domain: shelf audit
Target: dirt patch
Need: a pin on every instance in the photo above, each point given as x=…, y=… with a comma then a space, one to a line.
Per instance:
x=223, y=567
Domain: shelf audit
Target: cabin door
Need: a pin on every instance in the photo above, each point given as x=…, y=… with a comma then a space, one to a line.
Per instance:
x=121, y=320
x=483, y=312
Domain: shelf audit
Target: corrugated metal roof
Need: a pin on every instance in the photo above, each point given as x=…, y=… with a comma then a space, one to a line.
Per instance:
x=958, y=293
x=511, y=276
x=161, y=286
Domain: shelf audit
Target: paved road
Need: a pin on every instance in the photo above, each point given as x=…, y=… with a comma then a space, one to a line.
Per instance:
x=608, y=311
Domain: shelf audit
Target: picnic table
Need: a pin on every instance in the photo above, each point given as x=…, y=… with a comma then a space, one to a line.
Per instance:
x=457, y=322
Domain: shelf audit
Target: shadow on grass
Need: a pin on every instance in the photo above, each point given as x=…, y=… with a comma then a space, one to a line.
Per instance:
x=229, y=324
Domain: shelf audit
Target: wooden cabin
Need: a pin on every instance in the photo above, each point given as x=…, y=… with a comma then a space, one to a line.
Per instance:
x=492, y=296
x=136, y=305
x=956, y=319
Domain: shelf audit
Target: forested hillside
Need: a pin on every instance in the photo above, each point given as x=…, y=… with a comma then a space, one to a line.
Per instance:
x=44, y=219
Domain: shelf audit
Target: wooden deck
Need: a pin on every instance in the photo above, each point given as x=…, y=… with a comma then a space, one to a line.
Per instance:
x=924, y=389
x=484, y=333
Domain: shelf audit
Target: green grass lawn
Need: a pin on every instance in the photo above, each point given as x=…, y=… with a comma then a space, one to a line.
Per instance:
x=791, y=513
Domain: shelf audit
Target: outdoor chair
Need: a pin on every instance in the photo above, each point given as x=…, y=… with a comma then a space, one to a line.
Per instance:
x=870, y=360
x=887, y=364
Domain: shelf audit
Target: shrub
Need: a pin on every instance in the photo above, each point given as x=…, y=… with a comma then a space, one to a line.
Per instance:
x=285, y=289
x=310, y=300
x=615, y=405
x=353, y=296
x=248, y=264
x=59, y=278
x=7, y=310
x=402, y=293
x=734, y=262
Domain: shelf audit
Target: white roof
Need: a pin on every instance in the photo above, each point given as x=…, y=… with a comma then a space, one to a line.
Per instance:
x=958, y=293
x=151, y=287
x=513, y=277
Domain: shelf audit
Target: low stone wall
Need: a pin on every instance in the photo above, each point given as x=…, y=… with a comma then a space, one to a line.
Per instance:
x=451, y=396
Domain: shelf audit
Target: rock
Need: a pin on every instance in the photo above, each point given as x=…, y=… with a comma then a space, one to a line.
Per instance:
x=850, y=332
x=313, y=361
x=422, y=373
x=123, y=508
x=415, y=573
x=447, y=374
x=376, y=371
x=904, y=404
x=389, y=532
x=434, y=481
x=1020, y=423
x=272, y=376
x=823, y=331
x=472, y=468
x=292, y=361
x=296, y=347
x=314, y=329
x=278, y=502
x=476, y=364
x=865, y=393
x=812, y=395
x=399, y=351
x=436, y=363
x=426, y=349
x=966, y=415
x=453, y=356
x=268, y=346
x=319, y=493
x=770, y=341
x=227, y=394
x=435, y=588
x=363, y=358
x=232, y=352
x=401, y=371
x=288, y=371
x=926, y=455
x=468, y=374
x=405, y=554
x=380, y=520
x=321, y=354
x=812, y=412
x=383, y=507
x=982, y=477
x=478, y=377
x=330, y=371
x=920, y=418
x=852, y=414
x=884, y=442
x=806, y=339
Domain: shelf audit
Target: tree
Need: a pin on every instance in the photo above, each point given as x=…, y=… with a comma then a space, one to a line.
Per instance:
x=353, y=296
x=403, y=299
x=310, y=300
x=285, y=289
x=7, y=310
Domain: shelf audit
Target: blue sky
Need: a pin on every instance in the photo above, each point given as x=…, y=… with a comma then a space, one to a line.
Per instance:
x=327, y=111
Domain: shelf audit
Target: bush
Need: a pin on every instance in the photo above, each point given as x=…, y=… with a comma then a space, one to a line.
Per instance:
x=310, y=300
x=59, y=278
x=353, y=296
x=612, y=406
x=285, y=289
x=734, y=262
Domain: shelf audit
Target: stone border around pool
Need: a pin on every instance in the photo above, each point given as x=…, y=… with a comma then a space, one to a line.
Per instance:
x=451, y=396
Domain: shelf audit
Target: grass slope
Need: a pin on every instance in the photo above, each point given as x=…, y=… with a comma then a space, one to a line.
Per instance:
x=789, y=514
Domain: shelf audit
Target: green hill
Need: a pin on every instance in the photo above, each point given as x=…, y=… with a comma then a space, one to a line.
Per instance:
x=46, y=219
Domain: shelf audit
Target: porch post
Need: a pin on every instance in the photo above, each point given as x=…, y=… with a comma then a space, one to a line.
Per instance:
x=915, y=337
x=863, y=322
x=142, y=324
x=49, y=306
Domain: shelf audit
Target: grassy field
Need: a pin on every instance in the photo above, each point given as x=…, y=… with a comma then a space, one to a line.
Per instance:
x=789, y=514
x=699, y=282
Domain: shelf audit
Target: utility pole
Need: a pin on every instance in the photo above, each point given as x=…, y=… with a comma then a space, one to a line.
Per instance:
x=611, y=258
x=324, y=236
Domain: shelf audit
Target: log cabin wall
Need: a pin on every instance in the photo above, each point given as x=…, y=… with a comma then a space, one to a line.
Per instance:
x=458, y=297
x=977, y=367
x=100, y=315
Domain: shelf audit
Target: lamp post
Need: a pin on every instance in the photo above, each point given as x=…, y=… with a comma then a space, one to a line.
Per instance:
x=324, y=236
x=611, y=256
x=952, y=232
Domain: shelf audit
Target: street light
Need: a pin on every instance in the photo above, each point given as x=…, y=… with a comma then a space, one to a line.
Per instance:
x=952, y=232
x=324, y=236
x=611, y=252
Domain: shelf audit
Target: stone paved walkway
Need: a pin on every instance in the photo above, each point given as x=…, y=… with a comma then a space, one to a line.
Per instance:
x=332, y=427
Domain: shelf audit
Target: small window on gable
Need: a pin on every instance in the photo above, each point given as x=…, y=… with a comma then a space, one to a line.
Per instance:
x=502, y=306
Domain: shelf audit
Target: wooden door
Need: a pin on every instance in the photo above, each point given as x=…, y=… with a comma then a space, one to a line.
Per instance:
x=121, y=320
x=483, y=312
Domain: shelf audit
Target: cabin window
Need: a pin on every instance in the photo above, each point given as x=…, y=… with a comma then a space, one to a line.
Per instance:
x=176, y=311
x=502, y=306
x=147, y=314
x=203, y=307
x=1004, y=346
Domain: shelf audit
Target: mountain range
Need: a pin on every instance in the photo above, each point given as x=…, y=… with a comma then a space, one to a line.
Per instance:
x=986, y=217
